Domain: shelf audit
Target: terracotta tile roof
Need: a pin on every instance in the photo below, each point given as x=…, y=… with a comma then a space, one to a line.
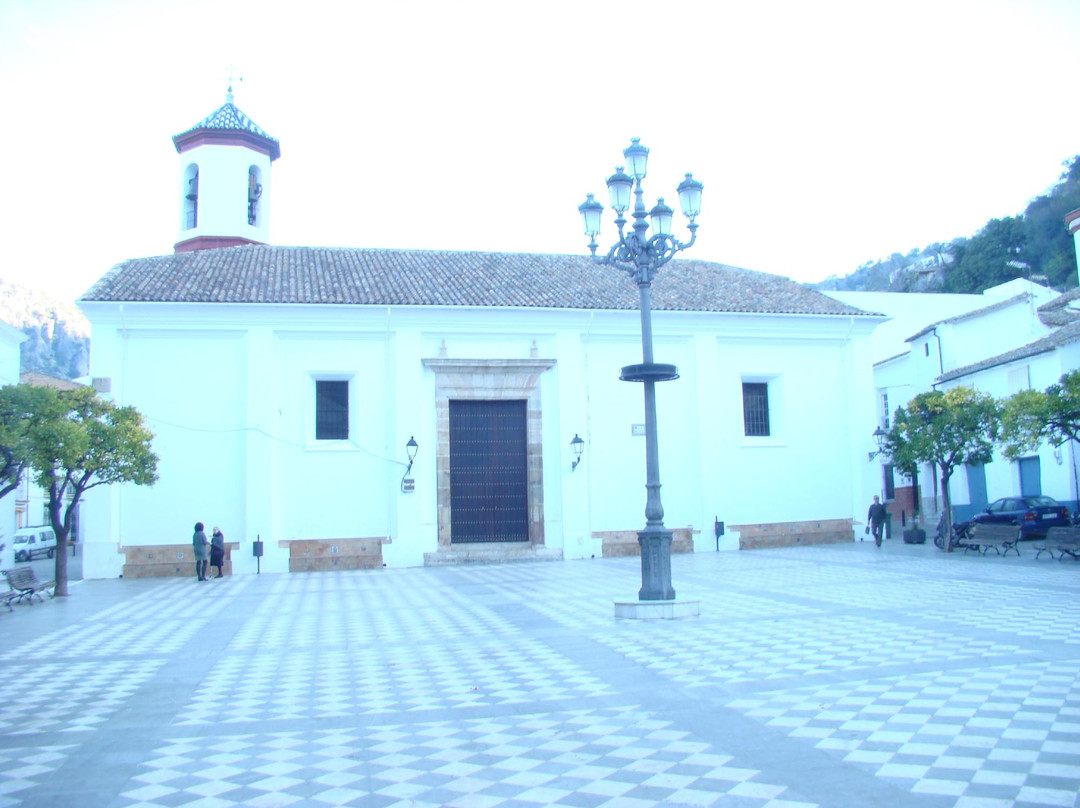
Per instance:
x=36, y=379
x=315, y=275
x=1059, y=311
x=973, y=314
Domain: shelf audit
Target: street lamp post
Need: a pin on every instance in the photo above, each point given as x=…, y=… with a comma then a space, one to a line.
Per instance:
x=641, y=255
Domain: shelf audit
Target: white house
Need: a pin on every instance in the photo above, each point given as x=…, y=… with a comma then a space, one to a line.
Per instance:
x=1019, y=335
x=286, y=384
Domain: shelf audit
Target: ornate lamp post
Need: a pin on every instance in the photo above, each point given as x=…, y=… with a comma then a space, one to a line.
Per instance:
x=641, y=255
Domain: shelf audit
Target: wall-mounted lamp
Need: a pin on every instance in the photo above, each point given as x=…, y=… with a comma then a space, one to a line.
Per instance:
x=407, y=484
x=577, y=446
x=879, y=438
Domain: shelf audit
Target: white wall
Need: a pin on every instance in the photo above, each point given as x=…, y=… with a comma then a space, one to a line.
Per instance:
x=228, y=392
x=10, y=340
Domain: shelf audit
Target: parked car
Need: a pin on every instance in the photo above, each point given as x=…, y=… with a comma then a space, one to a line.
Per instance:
x=1034, y=515
x=32, y=541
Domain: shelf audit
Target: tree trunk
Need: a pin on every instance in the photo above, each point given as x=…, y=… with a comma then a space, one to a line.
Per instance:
x=61, y=570
x=946, y=503
x=61, y=529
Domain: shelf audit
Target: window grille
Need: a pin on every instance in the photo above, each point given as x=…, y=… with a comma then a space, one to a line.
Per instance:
x=756, y=408
x=331, y=410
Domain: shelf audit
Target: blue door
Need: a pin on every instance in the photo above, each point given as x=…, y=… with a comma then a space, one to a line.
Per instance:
x=976, y=479
x=1030, y=477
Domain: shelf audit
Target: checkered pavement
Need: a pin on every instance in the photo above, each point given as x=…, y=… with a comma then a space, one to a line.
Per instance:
x=604, y=757
x=995, y=736
x=837, y=677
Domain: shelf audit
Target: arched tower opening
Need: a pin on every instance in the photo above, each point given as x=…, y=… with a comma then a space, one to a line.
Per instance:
x=189, y=204
x=254, y=194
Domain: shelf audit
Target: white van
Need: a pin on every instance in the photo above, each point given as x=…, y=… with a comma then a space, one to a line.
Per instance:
x=32, y=541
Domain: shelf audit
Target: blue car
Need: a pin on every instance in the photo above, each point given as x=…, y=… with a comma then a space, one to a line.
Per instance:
x=1034, y=515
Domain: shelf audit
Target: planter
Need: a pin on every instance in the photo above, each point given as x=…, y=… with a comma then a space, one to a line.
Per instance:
x=915, y=535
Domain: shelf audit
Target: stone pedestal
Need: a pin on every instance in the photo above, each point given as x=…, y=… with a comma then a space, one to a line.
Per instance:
x=657, y=609
x=655, y=565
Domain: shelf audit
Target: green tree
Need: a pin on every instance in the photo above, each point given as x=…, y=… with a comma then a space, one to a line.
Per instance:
x=76, y=440
x=16, y=410
x=1050, y=248
x=949, y=429
x=989, y=257
x=1031, y=417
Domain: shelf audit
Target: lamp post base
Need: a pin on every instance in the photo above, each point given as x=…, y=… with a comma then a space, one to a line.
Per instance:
x=655, y=564
x=657, y=609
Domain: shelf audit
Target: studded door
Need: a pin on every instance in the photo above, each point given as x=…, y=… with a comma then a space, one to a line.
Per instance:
x=489, y=497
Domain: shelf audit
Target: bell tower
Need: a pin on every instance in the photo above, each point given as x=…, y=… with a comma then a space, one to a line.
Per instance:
x=224, y=191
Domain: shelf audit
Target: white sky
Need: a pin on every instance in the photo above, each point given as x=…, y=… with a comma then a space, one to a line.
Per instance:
x=826, y=133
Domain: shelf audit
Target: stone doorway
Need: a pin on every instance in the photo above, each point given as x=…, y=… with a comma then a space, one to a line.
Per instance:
x=491, y=380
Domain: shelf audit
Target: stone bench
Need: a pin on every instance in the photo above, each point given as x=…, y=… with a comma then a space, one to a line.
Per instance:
x=794, y=534
x=320, y=555
x=167, y=560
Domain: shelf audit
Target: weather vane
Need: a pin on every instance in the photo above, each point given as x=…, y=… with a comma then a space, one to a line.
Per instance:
x=234, y=77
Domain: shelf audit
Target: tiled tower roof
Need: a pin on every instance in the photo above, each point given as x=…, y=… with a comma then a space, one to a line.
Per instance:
x=229, y=118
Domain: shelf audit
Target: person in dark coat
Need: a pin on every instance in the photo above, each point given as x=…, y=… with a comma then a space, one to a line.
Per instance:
x=876, y=517
x=217, y=550
x=199, y=543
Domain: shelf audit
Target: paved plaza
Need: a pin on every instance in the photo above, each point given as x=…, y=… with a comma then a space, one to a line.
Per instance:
x=817, y=676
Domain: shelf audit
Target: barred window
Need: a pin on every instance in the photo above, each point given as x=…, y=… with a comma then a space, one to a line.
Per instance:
x=331, y=410
x=755, y=397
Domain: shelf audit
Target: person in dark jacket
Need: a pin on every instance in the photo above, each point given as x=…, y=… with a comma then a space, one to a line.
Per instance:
x=876, y=517
x=217, y=550
x=199, y=543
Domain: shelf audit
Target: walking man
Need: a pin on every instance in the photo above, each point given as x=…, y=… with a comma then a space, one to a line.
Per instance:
x=876, y=517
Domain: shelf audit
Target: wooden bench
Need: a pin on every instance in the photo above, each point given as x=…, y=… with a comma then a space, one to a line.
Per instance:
x=10, y=595
x=1001, y=537
x=1065, y=540
x=24, y=581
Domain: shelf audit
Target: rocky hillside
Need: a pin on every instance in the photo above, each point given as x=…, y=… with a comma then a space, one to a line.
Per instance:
x=58, y=336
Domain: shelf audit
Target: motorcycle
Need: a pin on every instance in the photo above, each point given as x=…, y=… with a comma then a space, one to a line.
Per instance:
x=960, y=532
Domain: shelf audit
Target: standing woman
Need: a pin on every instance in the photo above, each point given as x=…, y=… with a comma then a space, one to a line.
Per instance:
x=217, y=550
x=198, y=541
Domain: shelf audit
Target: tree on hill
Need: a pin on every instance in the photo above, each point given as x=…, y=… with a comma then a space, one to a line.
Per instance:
x=1049, y=246
x=994, y=255
x=1036, y=244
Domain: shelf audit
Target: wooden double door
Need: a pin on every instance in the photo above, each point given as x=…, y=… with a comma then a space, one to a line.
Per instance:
x=489, y=485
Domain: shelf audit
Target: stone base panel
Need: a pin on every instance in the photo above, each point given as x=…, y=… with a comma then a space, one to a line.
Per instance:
x=491, y=553
x=166, y=560
x=321, y=555
x=625, y=542
x=795, y=534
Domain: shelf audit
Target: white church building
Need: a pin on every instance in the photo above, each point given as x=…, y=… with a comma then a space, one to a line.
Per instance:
x=288, y=387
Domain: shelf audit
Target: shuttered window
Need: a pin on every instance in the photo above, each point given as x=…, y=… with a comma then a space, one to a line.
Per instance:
x=331, y=410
